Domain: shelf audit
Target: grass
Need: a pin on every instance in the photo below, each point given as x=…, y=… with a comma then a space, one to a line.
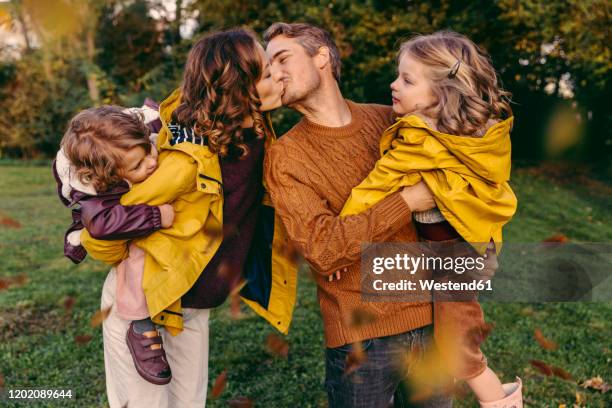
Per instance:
x=37, y=333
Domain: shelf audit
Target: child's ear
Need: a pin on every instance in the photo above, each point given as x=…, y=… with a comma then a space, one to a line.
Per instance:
x=323, y=58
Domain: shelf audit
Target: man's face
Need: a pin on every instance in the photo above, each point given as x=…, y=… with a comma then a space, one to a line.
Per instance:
x=296, y=68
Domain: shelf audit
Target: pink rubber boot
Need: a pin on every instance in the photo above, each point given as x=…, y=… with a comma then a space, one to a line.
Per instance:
x=513, y=399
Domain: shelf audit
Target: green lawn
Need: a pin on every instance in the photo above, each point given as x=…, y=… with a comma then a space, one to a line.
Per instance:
x=37, y=346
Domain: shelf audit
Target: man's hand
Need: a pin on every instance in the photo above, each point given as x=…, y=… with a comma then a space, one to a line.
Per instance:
x=167, y=215
x=418, y=197
x=490, y=263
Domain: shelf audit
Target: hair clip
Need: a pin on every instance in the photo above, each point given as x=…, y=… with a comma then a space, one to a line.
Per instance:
x=454, y=69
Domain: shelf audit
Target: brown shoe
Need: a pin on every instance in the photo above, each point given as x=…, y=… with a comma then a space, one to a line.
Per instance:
x=150, y=361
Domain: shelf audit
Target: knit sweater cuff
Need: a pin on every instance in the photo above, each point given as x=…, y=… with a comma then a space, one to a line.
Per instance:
x=394, y=210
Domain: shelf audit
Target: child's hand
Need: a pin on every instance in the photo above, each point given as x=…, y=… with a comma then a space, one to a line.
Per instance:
x=418, y=197
x=336, y=274
x=167, y=215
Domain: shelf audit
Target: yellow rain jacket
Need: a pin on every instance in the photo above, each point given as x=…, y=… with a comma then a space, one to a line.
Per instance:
x=189, y=177
x=468, y=176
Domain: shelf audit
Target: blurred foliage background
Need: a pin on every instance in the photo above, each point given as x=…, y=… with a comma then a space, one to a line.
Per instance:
x=60, y=56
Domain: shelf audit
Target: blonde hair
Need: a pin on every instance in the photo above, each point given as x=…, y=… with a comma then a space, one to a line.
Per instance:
x=462, y=79
x=96, y=140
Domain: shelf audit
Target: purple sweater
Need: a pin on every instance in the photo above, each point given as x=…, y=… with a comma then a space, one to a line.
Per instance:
x=242, y=195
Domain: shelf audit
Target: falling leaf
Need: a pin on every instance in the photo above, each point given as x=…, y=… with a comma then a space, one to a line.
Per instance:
x=360, y=317
x=542, y=367
x=235, y=300
x=560, y=238
x=276, y=345
x=422, y=394
x=355, y=358
x=219, y=385
x=478, y=334
x=596, y=383
x=240, y=402
x=82, y=338
x=69, y=304
x=99, y=317
x=543, y=341
x=561, y=373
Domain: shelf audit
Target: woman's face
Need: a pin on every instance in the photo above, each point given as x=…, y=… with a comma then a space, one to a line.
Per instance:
x=411, y=91
x=269, y=87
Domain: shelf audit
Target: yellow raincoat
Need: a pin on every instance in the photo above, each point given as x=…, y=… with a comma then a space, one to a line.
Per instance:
x=189, y=177
x=468, y=176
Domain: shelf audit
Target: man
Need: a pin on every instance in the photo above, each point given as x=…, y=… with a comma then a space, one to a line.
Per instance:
x=310, y=172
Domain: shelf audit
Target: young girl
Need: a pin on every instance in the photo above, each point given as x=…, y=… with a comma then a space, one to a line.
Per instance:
x=453, y=133
x=104, y=151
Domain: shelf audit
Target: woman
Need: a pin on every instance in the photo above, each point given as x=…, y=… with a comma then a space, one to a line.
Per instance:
x=211, y=145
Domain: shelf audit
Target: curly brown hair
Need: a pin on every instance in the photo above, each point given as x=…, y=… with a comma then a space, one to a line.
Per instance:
x=466, y=99
x=218, y=90
x=96, y=140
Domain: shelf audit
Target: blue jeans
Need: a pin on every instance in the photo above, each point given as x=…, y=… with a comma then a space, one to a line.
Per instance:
x=379, y=378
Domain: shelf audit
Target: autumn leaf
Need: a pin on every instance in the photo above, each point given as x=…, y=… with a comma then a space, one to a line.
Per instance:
x=69, y=304
x=1, y=381
x=235, y=300
x=543, y=341
x=360, y=317
x=478, y=334
x=82, y=338
x=219, y=385
x=560, y=238
x=8, y=222
x=580, y=399
x=596, y=383
x=99, y=317
x=542, y=367
x=561, y=373
x=240, y=402
x=355, y=358
x=276, y=345
x=4, y=284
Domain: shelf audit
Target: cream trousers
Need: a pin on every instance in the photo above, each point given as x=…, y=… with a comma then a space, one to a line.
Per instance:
x=187, y=355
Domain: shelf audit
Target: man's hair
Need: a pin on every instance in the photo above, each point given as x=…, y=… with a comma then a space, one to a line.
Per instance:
x=311, y=38
x=96, y=141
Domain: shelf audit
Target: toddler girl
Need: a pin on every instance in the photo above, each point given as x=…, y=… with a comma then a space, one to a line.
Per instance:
x=104, y=151
x=453, y=133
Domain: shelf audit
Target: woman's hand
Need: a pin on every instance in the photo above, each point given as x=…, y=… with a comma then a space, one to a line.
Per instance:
x=167, y=215
x=418, y=197
x=336, y=274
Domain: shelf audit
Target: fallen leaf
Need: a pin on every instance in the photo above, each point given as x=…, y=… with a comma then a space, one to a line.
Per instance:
x=99, y=317
x=596, y=383
x=557, y=238
x=20, y=280
x=355, y=358
x=69, y=304
x=219, y=385
x=580, y=399
x=561, y=373
x=82, y=338
x=543, y=341
x=4, y=284
x=542, y=367
x=240, y=402
x=276, y=345
x=9, y=222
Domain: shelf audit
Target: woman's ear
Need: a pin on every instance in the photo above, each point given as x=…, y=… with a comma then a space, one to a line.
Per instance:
x=322, y=58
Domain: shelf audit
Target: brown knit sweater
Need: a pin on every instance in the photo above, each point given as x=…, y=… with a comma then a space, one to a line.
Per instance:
x=310, y=172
